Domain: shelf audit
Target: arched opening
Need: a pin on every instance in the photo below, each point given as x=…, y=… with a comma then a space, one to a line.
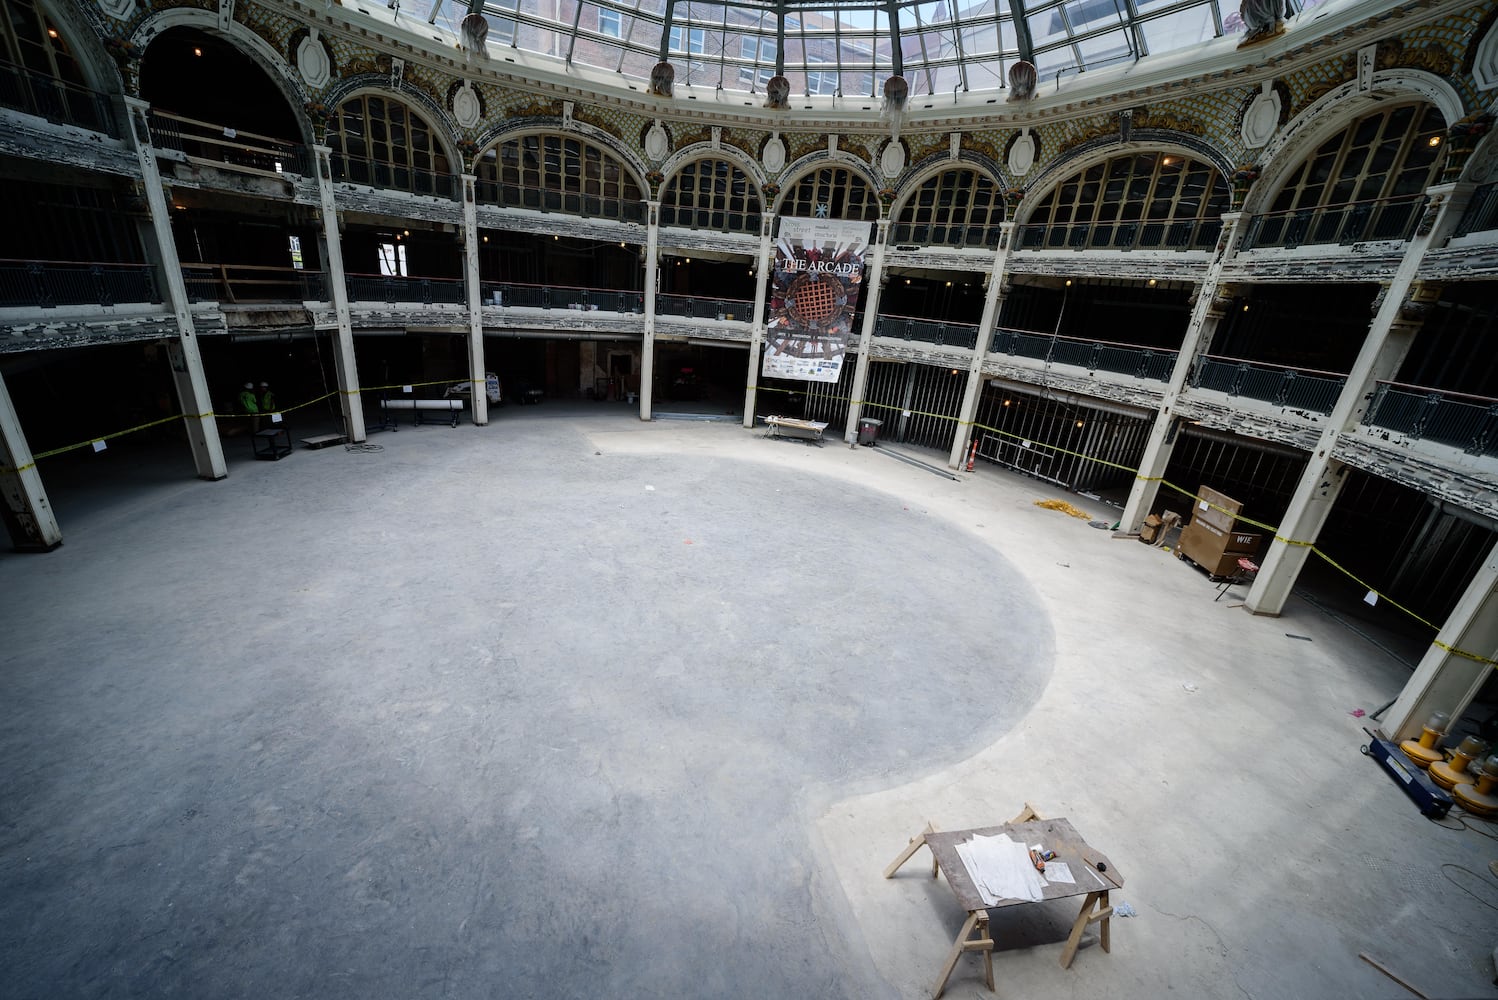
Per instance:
x=1155, y=199
x=832, y=192
x=185, y=75
x=554, y=173
x=711, y=194
x=957, y=207
x=39, y=74
x=380, y=141
x=1367, y=182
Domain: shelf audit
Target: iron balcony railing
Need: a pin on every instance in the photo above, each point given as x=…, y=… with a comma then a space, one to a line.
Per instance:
x=695, y=307
x=50, y=283
x=55, y=100
x=505, y=293
x=688, y=217
x=930, y=234
x=964, y=335
x=587, y=205
x=1482, y=212
x=392, y=289
x=247, y=283
x=1293, y=388
x=1151, y=363
x=1116, y=234
x=225, y=145
x=1451, y=418
x=393, y=176
x=1354, y=222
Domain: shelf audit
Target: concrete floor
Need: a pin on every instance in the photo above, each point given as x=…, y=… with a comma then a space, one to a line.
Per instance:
x=575, y=706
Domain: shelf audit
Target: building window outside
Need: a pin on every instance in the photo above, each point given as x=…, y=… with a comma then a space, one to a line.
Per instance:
x=696, y=40
x=762, y=52
x=610, y=22
x=393, y=260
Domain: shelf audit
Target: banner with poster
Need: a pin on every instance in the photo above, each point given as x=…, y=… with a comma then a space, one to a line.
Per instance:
x=818, y=275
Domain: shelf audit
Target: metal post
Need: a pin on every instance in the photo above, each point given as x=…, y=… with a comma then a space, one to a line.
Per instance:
x=344, y=362
x=187, y=367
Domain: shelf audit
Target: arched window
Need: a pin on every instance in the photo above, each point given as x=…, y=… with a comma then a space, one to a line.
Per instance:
x=554, y=173
x=1365, y=183
x=958, y=207
x=41, y=76
x=711, y=194
x=1154, y=199
x=834, y=193
x=379, y=141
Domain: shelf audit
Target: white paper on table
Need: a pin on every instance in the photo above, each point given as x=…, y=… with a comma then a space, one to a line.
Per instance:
x=1001, y=869
x=1059, y=871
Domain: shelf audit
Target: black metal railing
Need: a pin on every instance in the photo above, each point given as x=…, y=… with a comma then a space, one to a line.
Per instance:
x=580, y=203
x=689, y=217
x=511, y=294
x=1482, y=212
x=245, y=283
x=1354, y=222
x=223, y=144
x=393, y=176
x=1151, y=363
x=55, y=100
x=964, y=335
x=1451, y=418
x=696, y=307
x=1133, y=234
x=391, y=289
x=50, y=283
x=928, y=234
x=1293, y=388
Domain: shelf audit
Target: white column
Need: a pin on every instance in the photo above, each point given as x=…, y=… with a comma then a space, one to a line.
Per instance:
x=652, y=278
x=1383, y=350
x=478, y=389
x=763, y=274
x=187, y=363
x=344, y=363
x=873, y=282
x=1458, y=662
x=974, y=389
x=1200, y=328
x=24, y=509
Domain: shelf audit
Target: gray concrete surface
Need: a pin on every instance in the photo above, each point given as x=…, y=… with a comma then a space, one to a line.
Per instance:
x=577, y=706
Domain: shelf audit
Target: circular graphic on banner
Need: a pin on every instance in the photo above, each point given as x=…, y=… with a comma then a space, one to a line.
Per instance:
x=815, y=302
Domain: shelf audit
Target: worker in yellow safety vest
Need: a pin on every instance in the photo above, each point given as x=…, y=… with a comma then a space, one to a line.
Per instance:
x=250, y=403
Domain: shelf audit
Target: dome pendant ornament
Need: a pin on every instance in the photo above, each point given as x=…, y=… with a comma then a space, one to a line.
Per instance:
x=1022, y=80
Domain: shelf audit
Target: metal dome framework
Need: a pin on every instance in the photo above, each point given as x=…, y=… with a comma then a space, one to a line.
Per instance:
x=848, y=48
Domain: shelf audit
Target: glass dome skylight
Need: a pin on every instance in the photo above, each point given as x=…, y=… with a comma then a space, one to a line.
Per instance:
x=847, y=48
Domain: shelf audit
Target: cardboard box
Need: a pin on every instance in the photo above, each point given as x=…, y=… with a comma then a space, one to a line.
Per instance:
x=1149, y=531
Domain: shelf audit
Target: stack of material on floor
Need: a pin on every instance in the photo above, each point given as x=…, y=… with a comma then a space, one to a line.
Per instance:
x=1064, y=507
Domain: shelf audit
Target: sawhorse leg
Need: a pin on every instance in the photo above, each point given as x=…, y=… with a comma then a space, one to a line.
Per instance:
x=916, y=843
x=977, y=921
x=1088, y=916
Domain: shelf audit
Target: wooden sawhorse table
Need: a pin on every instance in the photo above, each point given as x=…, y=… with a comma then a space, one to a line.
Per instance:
x=1095, y=878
